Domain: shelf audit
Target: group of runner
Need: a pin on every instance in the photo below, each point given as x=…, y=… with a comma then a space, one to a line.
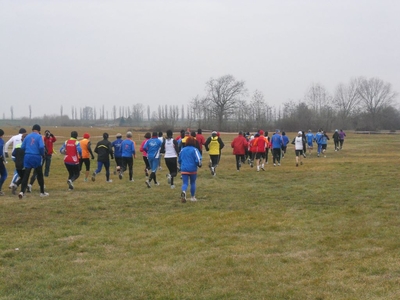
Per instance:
x=181, y=154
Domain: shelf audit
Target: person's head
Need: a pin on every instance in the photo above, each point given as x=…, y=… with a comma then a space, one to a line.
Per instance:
x=154, y=134
x=129, y=134
x=300, y=133
x=74, y=134
x=193, y=133
x=214, y=133
x=336, y=130
x=1, y=132
x=240, y=133
x=22, y=130
x=283, y=133
x=261, y=132
x=47, y=133
x=86, y=136
x=199, y=131
x=36, y=127
x=169, y=133
x=187, y=133
x=309, y=130
x=277, y=131
x=182, y=133
x=119, y=136
x=147, y=135
x=190, y=141
x=257, y=135
x=160, y=134
x=341, y=130
x=266, y=133
x=105, y=135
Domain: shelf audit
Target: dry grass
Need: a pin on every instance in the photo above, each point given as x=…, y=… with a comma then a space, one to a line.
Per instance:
x=325, y=230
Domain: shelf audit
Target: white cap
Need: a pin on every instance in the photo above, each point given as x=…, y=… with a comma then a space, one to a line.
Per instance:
x=300, y=132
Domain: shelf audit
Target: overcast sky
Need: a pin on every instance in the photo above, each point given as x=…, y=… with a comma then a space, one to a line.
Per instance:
x=93, y=53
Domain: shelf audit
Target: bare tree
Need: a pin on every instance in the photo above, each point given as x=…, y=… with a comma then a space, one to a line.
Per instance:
x=114, y=112
x=12, y=112
x=61, y=110
x=258, y=109
x=317, y=97
x=30, y=111
x=148, y=113
x=375, y=95
x=223, y=94
x=347, y=98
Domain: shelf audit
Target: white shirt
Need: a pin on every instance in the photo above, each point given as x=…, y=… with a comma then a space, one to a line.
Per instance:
x=170, y=149
x=298, y=143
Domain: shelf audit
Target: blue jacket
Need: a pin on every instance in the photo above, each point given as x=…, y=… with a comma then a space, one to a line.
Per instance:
x=324, y=139
x=189, y=159
x=33, y=144
x=285, y=140
x=310, y=138
x=153, y=147
x=117, y=147
x=276, y=141
x=318, y=137
x=128, y=148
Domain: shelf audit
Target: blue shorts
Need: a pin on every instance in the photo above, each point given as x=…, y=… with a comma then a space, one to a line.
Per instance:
x=32, y=161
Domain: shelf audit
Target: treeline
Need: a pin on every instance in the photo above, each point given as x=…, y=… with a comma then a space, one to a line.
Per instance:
x=361, y=104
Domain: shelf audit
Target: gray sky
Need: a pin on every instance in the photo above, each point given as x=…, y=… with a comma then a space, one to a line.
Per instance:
x=94, y=53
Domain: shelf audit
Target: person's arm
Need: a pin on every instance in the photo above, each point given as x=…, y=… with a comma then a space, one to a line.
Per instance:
x=6, y=145
x=110, y=151
x=221, y=143
x=89, y=147
x=78, y=148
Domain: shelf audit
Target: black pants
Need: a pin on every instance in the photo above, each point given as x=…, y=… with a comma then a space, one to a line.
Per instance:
x=172, y=165
x=39, y=176
x=73, y=171
x=239, y=158
x=276, y=152
x=127, y=163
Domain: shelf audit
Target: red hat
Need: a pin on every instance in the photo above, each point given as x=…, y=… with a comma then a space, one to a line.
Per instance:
x=86, y=135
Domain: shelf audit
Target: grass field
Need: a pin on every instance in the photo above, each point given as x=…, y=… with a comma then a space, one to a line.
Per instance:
x=329, y=229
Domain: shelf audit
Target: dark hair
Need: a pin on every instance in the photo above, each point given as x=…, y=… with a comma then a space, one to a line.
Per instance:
x=1, y=132
x=74, y=134
x=169, y=133
x=160, y=134
x=283, y=133
x=105, y=135
x=22, y=130
x=199, y=131
x=147, y=135
x=154, y=133
x=193, y=133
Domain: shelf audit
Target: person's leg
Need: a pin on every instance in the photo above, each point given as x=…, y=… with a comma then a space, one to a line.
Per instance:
x=75, y=172
x=146, y=166
x=3, y=174
x=33, y=177
x=86, y=161
x=130, y=168
x=237, y=162
x=47, y=164
x=193, y=178
x=185, y=179
x=25, y=179
x=107, y=167
x=40, y=178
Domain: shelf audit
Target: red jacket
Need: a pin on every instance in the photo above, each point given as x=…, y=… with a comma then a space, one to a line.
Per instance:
x=239, y=145
x=48, y=144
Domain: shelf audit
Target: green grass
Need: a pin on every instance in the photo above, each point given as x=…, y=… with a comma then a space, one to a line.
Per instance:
x=326, y=230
